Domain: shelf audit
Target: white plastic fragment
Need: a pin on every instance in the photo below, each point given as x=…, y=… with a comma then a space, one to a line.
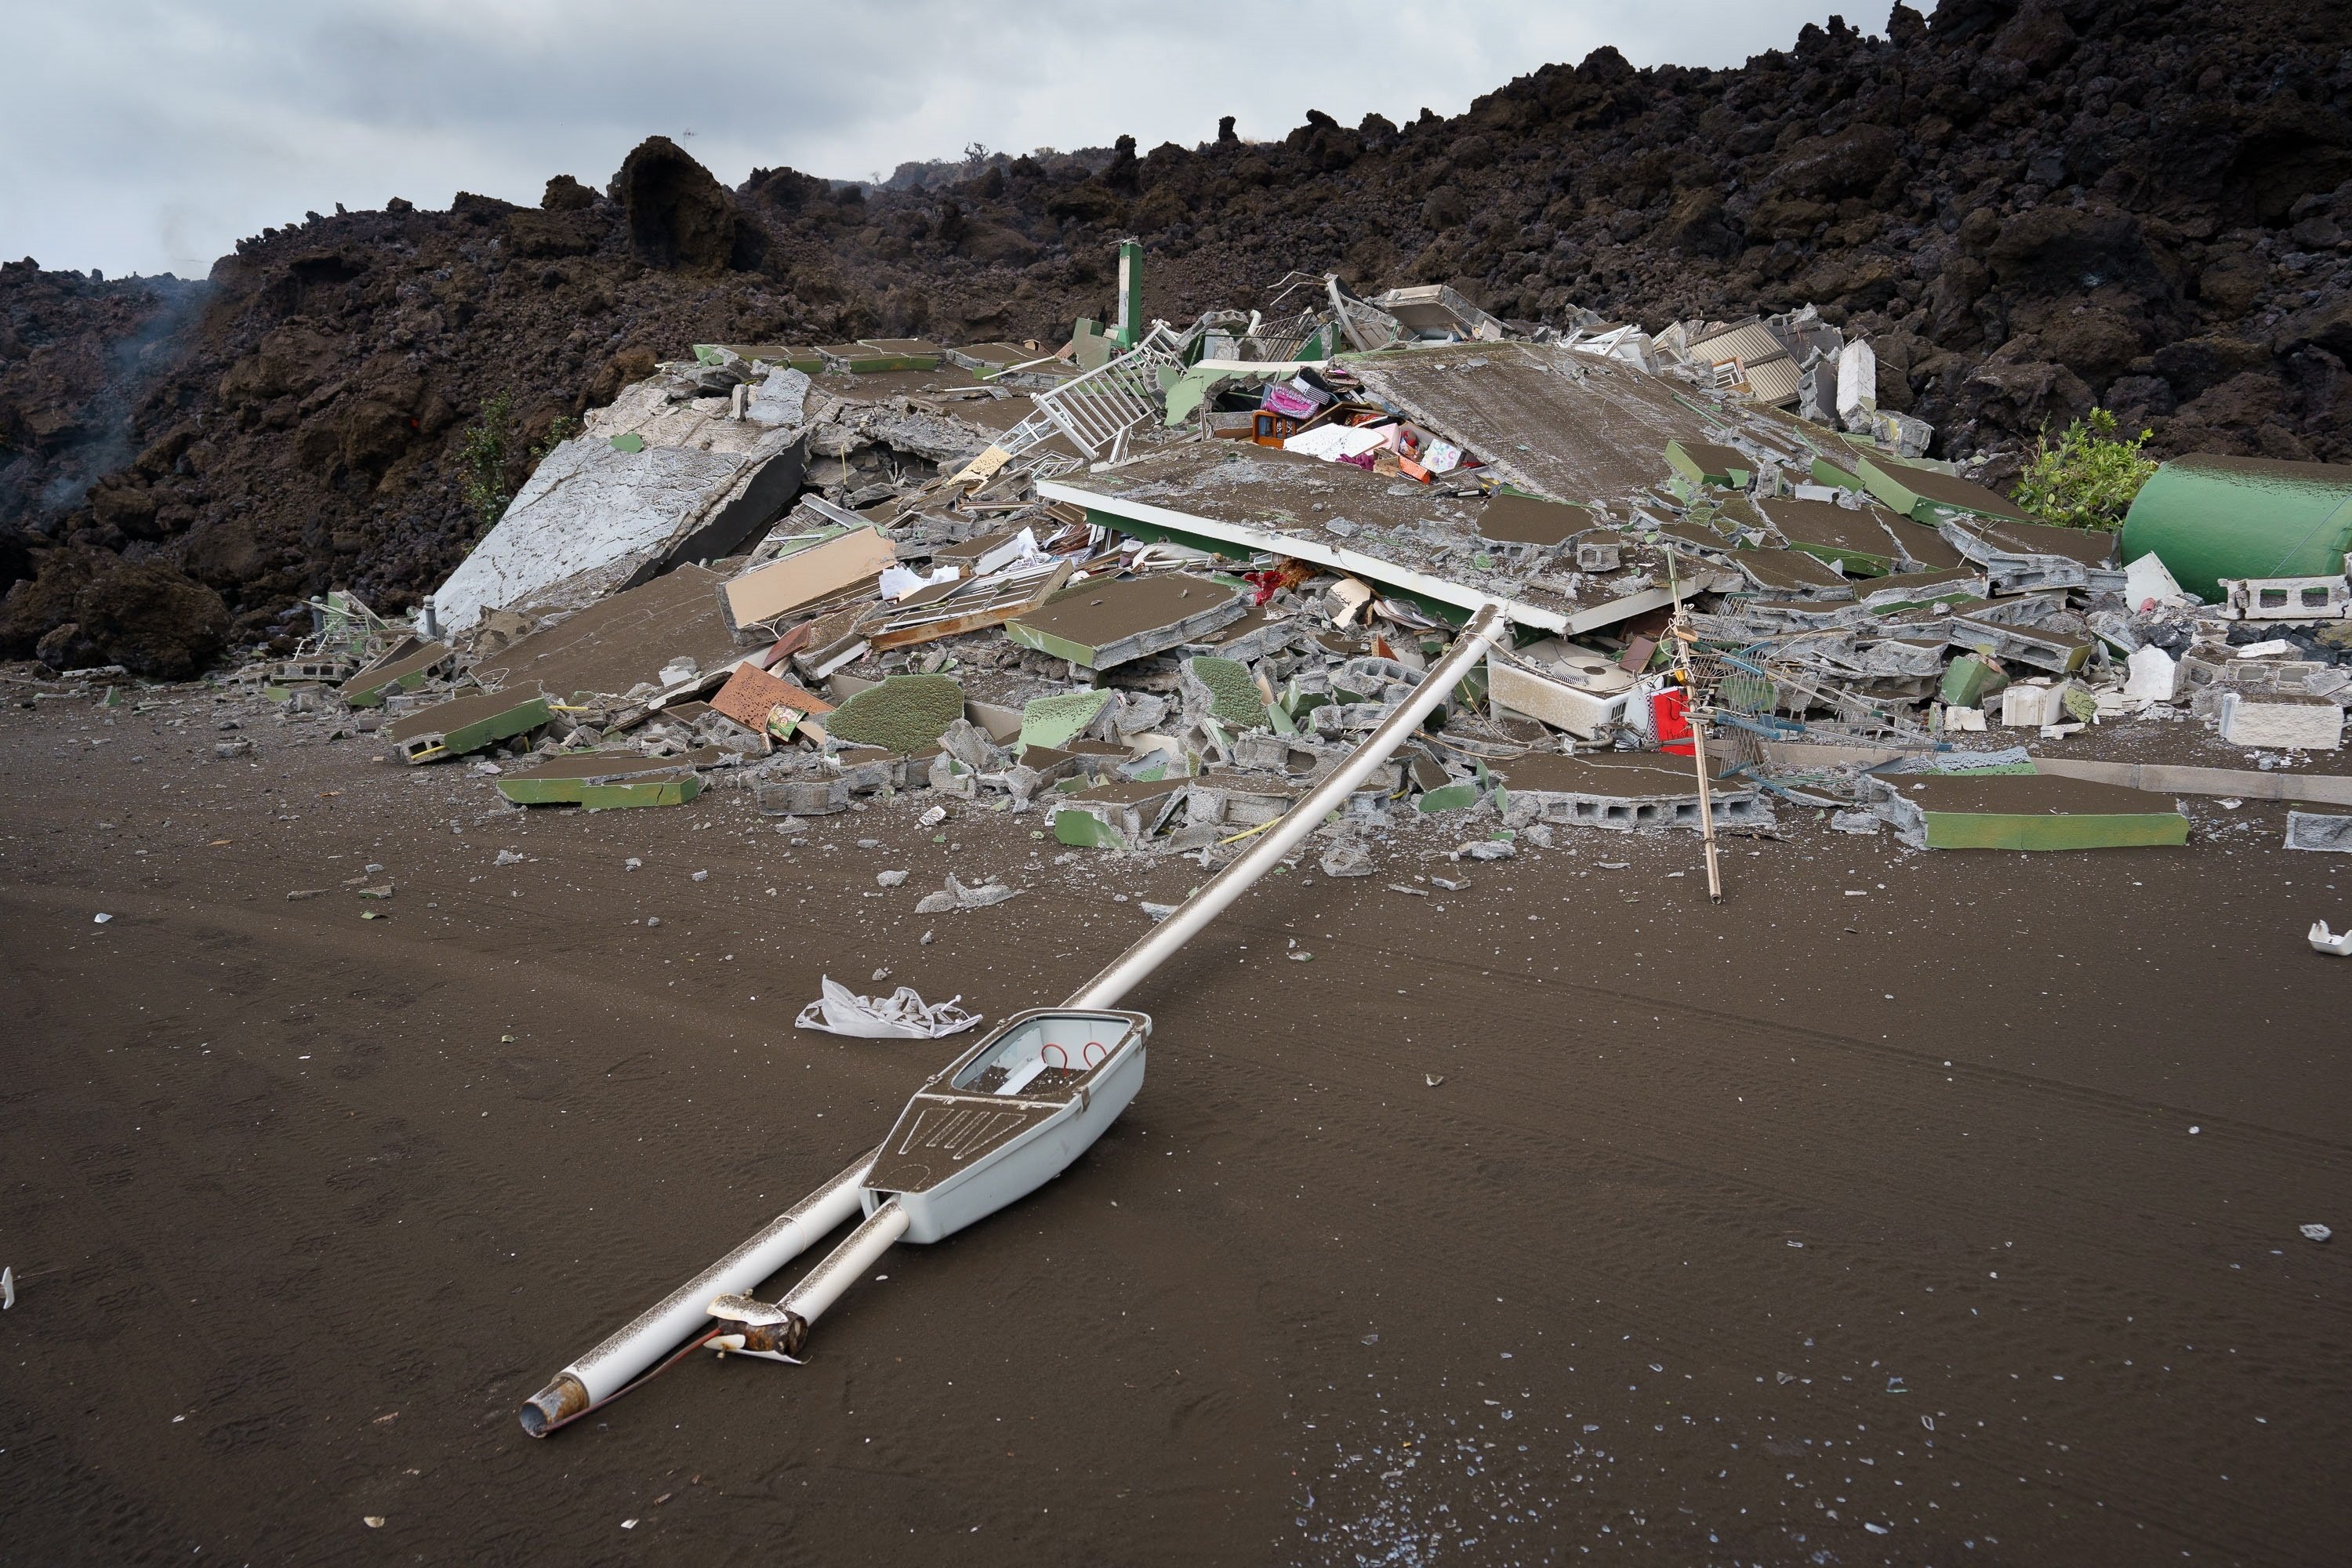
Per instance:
x=901, y=1015
x=2315, y=1232
x=956, y=896
x=99, y=920
x=2326, y=941
x=8, y=1279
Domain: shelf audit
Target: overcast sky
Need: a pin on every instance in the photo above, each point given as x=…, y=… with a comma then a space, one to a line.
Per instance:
x=150, y=135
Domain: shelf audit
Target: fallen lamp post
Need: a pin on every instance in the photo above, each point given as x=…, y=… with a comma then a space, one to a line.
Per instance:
x=995, y=1124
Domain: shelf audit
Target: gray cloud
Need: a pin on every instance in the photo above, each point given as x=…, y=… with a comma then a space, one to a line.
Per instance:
x=151, y=135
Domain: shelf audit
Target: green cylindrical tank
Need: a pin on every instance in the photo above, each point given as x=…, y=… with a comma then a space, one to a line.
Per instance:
x=2206, y=518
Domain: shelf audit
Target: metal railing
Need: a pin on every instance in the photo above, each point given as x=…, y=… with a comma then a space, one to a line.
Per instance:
x=1100, y=410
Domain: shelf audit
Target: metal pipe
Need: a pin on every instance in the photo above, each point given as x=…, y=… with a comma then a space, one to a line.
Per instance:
x=780, y=1332
x=825, y=1283
x=1130, y=968
x=614, y=1364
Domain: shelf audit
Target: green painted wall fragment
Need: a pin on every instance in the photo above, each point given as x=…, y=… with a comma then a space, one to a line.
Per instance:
x=628, y=441
x=904, y=714
x=1448, y=797
x=1056, y=721
x=1235, y=695
x=1084, y=830
x=1969, y=680
x=2010, y=830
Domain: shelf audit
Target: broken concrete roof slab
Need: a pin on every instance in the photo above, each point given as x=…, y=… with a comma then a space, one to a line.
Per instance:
x=1511, y=519
x=1420, y=545
x=1919, y=543
x=1922, y=494
x=403, y=669
x=1792, y=571
x=2085, y=546
x=1551, y=422
x=466, y=724
x=789, y=356
x=594, y=519
x=618, y=643
x=2030, y=811
x=1099, y=626
x=1906, y=590
x=867, y=356
x=1707, y=463
x=1852, y=538
x=604, y=781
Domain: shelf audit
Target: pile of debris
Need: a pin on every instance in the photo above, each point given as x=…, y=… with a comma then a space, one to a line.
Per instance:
x=1152, y=583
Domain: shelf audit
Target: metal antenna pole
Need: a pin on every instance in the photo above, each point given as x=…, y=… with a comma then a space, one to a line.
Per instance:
x=1692, y=713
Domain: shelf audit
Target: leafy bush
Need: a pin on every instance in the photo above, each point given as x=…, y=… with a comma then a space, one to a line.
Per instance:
x=2087, y=480
x=482, y=456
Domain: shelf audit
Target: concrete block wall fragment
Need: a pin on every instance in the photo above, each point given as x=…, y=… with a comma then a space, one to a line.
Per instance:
x=2282, y=723
x=800, y=797
x=2287, y=598
x=2031, y=704
x=2318, y=830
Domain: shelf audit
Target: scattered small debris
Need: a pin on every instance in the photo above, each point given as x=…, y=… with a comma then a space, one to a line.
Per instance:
x=2317, y=1232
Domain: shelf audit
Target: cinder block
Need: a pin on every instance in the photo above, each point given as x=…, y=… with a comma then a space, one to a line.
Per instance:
x=2282, y=723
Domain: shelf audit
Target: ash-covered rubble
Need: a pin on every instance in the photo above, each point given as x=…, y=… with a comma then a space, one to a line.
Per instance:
x=1150, y=584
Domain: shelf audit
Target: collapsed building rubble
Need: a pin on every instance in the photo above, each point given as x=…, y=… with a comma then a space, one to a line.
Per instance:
x=1152, y=583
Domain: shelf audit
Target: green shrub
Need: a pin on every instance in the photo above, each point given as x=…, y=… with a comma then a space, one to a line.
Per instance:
x=482, y=456
x=2087, y=480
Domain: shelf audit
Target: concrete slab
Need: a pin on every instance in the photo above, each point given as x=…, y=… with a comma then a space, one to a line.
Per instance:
x=614, y=645
x=403, y=670
x=605, y=780
x=1100, y=626
x=465, y=724
x=2028, y=811
x=595, y=518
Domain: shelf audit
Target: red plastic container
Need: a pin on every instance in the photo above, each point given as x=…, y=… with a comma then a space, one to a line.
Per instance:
x=1669, y=712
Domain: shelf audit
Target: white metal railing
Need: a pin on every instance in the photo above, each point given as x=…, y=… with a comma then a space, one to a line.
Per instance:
x=1098, y=410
